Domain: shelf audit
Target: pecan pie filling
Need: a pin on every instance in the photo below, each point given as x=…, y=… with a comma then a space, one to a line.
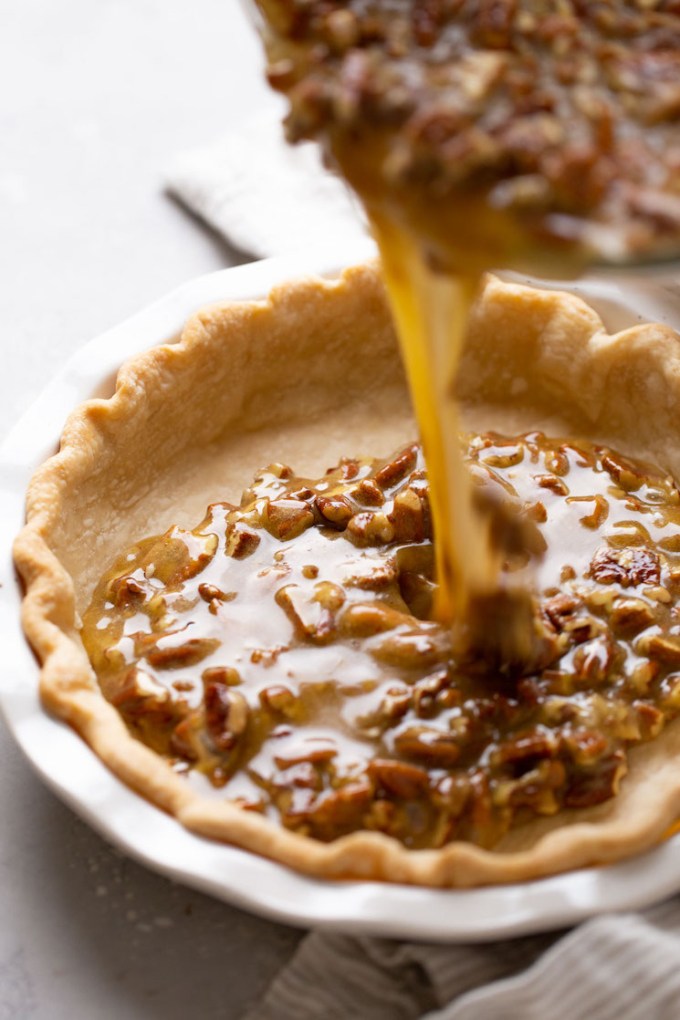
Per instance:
x=284, y=650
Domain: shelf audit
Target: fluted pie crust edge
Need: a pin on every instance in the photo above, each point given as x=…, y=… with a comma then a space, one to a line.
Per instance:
x=305, y=376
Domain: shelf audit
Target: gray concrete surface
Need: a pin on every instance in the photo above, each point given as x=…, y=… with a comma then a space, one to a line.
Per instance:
x=95, y=98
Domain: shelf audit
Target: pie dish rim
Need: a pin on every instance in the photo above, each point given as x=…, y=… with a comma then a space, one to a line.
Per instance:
x=91, y=364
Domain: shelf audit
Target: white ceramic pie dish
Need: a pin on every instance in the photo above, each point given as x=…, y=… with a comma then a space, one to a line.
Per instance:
x=66, y=763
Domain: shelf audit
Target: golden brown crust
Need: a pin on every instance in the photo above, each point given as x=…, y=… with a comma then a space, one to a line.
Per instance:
x=190, y=421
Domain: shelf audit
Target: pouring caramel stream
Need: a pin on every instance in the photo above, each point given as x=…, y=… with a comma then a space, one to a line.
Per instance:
x=431, y=311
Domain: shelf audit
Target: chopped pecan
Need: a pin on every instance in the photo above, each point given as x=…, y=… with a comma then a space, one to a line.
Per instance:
x=411, y=649
x=584, y=746
x=137, y=687
x=397, y=469
x=278, y=698
x=526, y=747
x=226, y=714
x=407, y=516
x=128, y=590
x=425, y=694
x=349, y=468
x=493, y=21
x=553, y=483
x=600, y=511
x=628, y=567
x=662, y=649
x=630, y=616
x=436, y=747
x=593, y=660
x=285, y=518
x=336, y=510
x=669, y=690
x=341, y=810
x=597, y=785
x=622, y=471
x=561, y=608
x=225, y=675
x=398, y=778
x=190, y=653
x=211, y=593
x=312, y=620
x=557, y=462
x=536, y=789
x=303, y=776
x=306, y=751
x=369, y=528
x=368, y=493
x=362, y=619
x=650, y=718
x=241, y=541
x=329, y=595
x=377, y=576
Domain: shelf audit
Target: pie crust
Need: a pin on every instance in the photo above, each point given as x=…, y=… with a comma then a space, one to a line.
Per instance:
x=307, y=376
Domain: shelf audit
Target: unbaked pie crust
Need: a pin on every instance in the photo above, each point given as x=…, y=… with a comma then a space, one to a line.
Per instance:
x=309, y=375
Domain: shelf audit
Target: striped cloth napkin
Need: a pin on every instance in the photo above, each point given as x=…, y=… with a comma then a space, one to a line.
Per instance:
x=616, y=967
x=268, y=199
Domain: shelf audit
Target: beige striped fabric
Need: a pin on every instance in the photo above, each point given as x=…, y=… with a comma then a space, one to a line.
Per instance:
x=614, y=967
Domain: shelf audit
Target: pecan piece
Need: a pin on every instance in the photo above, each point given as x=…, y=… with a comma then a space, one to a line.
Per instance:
x=630, y=616
x=376, y=578
x=599, y=513
x=363, y=619
x=135, y=688
x=492, y=23
x=661, y=649
x=335, y=510
x=211, y=593
x=278, y=698
x=436, y=747
x=189, y=653
x=368, y=493
x=340, y=810
x=397, y=469
x=285, y=519
x=225, y=675
x=599, y=784
x=593, y=660
x=226, y=715
x=411, y=649
x=398, y=778
x=312, y=620
x=622, y=471
x=553, y=483
x=526, y=747
x=628, y=567
x=126, y=591
x=584, y=746
x=560, y=608
x=370, y=528
x=408, y=517
x=650, y=719
x=241, y=541
x=315, y=754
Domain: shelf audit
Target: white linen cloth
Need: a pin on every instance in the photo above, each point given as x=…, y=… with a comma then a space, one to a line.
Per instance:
x=266, y=198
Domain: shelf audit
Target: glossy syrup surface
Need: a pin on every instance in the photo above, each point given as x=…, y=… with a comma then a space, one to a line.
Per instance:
x=284, y=650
